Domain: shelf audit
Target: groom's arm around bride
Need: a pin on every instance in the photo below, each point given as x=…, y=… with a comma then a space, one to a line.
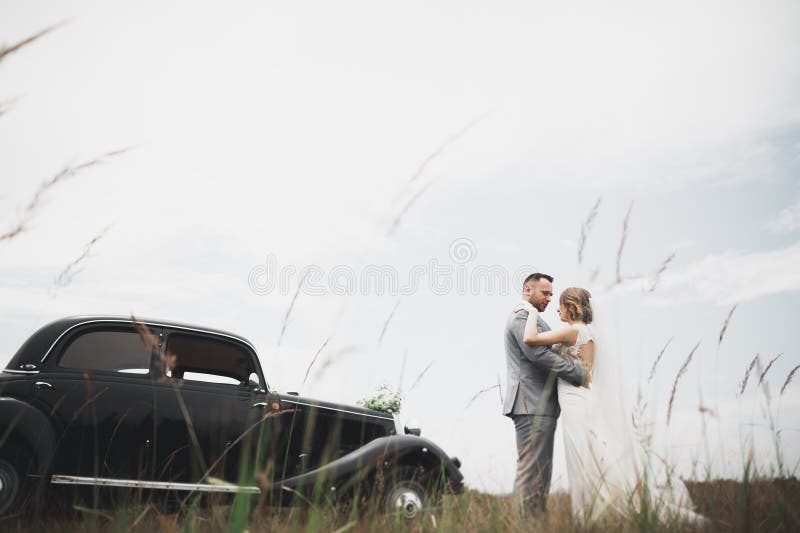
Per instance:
x=531, y=399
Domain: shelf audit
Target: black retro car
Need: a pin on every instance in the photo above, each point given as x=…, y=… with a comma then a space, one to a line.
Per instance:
x=174, y=409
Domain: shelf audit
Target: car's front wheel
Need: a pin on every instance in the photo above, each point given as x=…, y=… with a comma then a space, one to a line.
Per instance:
x=10, y=486
x=409, y=493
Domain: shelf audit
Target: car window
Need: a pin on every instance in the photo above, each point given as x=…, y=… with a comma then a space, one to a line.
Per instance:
x=110, y=351
x=200, y=358
x=210, y=378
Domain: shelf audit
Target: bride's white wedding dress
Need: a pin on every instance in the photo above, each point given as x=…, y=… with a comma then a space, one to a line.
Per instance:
x=605, y=468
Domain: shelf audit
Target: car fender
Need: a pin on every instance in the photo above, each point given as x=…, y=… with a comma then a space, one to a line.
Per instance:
x=377, y=454
x=28, y=427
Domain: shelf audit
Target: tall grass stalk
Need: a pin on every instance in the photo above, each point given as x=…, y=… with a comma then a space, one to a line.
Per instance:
x=661, y=269
x=725, y=326
x=658, y=359
x=623, y=238
x=289, y=309
x=769, y=365
x=388, y=321
x=7, y=50
x=680, y=373
x=586, y=227
x=789, y=377
x=35, y=202
x=69, y=272
x=746, y=377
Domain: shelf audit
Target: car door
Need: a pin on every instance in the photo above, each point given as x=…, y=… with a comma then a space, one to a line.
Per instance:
x=207, y=410
x=96, y=385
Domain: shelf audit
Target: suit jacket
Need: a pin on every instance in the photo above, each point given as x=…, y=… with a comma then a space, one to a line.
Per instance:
x=531, y=383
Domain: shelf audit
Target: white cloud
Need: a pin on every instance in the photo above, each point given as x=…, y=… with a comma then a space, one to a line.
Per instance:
x=787, y=220
x=734, y=276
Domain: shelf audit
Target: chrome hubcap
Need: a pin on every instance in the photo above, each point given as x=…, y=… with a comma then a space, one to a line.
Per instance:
x=407, y=502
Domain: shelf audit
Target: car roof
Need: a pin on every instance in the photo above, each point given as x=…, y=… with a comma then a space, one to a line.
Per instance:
x=38, y=345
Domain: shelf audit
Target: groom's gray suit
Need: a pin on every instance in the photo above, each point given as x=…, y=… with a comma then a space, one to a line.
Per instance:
x=532, y=402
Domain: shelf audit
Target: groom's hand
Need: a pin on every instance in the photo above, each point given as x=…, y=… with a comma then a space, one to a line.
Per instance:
x=587, y=380
x=523, y=306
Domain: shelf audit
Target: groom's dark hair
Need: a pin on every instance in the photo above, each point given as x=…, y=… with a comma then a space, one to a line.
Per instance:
x=536, y=276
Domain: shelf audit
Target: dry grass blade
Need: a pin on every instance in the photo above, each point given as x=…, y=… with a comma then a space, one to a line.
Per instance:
x=70, y=171
x=65, y=173
x=6, y=106
x=207, y=474
x=387, y=322
x=746, y=377
x=314, y=360
x=625, y=225
x=66, y=276
x=639, y=420
x=480, y=393
x=139, y=518
x=10, y=234
x=586, y=227
x=150, y=340
x=681, y=372
x=10, y=49
x=291, y=307
x=594, y=275
x=442, y=147
x=350, y=525
x=298, y=494
x=661, y=270
x=94, y=512
x=411, y=201
x=402, y=371
x=167, y=524
x=419, y=377
x=87, y=402
x=789, y=378
x=707, y=411
x=655, y=363
x=725, y=325
x=334, y=357
x=421, y=169
x=769, y=365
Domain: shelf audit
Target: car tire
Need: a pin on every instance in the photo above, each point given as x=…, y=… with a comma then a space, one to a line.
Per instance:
x=10, y=486
x=408, y=493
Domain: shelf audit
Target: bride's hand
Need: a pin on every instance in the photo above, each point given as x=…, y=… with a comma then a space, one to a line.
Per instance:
x=524, y=306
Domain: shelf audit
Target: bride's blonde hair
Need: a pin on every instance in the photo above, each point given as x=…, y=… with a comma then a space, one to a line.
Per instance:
x=577, y=305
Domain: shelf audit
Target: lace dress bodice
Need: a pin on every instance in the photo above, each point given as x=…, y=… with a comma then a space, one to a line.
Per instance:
x=573, y=353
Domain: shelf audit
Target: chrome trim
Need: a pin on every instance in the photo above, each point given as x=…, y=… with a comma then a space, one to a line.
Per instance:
x=406, y=502
x=160, y=485
x=340, y=410
x=27, y=372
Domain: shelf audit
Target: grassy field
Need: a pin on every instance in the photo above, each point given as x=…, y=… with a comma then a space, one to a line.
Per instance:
x=761, y=505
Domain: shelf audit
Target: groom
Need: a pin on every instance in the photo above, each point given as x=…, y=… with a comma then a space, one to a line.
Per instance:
x=531, y=399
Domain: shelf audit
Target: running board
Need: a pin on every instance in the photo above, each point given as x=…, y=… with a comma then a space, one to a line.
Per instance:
x=158, y=485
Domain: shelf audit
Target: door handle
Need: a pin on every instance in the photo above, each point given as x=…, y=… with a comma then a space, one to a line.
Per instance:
x=43, y=385
x=259, y=404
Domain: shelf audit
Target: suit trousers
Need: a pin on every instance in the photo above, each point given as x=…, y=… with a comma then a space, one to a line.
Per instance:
x=535, y=435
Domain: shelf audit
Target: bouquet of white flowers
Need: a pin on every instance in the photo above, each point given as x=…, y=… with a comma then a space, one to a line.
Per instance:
x=385, y=400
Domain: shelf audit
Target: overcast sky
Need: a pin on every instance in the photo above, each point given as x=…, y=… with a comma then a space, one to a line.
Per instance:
x=402, y=138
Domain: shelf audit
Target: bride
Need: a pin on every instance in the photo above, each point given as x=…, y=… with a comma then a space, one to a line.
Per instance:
x=604, y=472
